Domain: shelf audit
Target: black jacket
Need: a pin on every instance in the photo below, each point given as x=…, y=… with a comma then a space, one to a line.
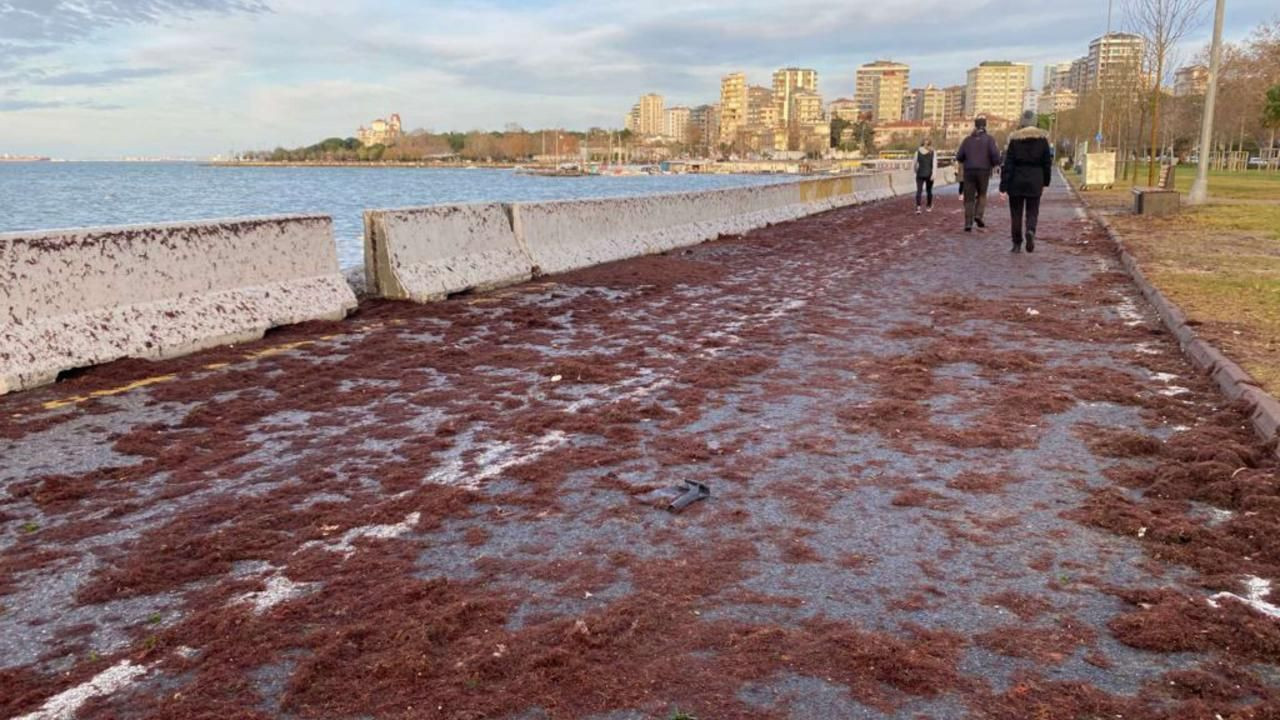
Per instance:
x=1028, y=163
x=978, y=152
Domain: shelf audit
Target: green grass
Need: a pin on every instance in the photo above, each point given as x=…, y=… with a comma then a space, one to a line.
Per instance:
x=1219, y=262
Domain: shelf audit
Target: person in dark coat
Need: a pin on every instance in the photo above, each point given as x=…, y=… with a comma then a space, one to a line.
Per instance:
x=1028, y=166
x=979, y=155
x=926, y=164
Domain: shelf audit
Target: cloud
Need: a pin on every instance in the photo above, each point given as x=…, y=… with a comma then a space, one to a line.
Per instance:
x=35, y=27
x=10, y=103
x=98, y=78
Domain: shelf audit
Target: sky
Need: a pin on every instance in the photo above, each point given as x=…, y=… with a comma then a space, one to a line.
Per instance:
x=94, y=79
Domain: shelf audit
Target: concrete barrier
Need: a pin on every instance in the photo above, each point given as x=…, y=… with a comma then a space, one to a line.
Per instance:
x=425, y=254
x=77, y=298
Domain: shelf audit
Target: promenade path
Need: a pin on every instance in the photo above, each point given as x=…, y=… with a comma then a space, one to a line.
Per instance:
x=947, y=481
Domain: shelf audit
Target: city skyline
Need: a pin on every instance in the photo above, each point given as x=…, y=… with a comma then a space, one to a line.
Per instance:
x=202, y=77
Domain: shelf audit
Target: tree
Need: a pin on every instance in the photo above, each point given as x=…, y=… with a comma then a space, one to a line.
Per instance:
x=837, y=129
x=1163, y=24
x=1271, y=115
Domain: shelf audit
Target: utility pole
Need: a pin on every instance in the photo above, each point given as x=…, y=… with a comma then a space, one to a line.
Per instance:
x=1102, y=97
x=1200, y=188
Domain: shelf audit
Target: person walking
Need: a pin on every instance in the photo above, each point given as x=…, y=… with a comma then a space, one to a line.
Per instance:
x=1028, y=166
x=979, y=155
x=926, y=165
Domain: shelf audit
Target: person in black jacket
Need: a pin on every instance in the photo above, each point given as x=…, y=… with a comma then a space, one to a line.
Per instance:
x=1028, y=166
x=979, y=155
x=926, y=163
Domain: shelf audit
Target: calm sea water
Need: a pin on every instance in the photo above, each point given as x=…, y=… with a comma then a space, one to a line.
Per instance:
x=38, y=196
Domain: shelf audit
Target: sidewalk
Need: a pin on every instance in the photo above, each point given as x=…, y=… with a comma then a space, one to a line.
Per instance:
x=947, y=481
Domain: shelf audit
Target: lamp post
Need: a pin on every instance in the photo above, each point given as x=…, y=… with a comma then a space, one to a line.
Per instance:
x=1200, y=188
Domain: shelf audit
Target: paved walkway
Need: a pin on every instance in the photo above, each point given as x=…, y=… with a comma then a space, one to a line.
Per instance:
x=947, y=481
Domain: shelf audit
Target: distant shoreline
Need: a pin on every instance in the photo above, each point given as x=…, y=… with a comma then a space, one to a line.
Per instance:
x=356, y=163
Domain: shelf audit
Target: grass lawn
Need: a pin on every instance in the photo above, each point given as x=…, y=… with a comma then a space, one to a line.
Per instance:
x=1220, y=262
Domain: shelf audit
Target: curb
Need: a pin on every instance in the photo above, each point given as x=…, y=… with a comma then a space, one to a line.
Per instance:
x=1234, y=381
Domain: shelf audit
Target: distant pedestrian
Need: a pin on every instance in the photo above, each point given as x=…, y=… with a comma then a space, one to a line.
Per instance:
x=926, y=165
x=1028, y=166
x=979, y=155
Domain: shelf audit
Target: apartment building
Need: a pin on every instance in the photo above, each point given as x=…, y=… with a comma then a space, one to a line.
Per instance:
x=996, y=88
x=733, y=106
x=789, y=81
x=880, y=88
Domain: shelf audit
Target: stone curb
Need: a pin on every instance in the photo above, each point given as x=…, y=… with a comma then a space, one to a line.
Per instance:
x=1235, y=382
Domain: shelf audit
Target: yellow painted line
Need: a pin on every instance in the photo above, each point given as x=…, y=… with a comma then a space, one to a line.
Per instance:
x=77, y=399
x=156, y=380
x=278, y=349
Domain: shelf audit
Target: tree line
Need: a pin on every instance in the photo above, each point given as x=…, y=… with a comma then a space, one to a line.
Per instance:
x=1143, y=120
x=511, y=145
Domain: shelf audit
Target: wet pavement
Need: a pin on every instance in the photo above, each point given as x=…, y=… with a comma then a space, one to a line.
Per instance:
x=946, y=481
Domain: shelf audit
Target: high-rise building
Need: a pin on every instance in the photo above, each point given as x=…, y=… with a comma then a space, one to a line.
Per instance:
x=676, y=123
x=704, y=123
x=953, y=103
x=1191, y=80
x=762, y=111
x=733, y=106
x=652, y=115
x=880, y=88
x=1057, y=101
x=1078, y=81
x=845, y=109
x=1114, y=61
x=1031, y=100
x=632, y=121
x=1057, y=76
x=787, y=82
x=928, y=105
x=808, y=129
x=995, y=88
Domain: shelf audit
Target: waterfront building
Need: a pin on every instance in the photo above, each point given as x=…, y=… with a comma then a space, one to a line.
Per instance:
x=704, y=124
x=652, y=115
x=632, y=121
x=928, y=105
x=996, y=87
x=1057, y=76
x=1031, y=100
x=953, y=103
x=1190, y=80
x=676, y=124
x=789, y=81
x=844, y=109
x=1058, y=101
x=1114, y=62
x=901, y=131
x=733, y=106
x=381, y=131
x=880, y=88
x=1078, y=81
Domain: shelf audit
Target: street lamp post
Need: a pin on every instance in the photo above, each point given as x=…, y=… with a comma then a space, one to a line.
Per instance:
x=1200, y=188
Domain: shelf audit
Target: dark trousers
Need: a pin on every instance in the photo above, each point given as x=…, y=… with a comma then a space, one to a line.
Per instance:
x=1017, y=203
x=923, y=184
x=975, y=195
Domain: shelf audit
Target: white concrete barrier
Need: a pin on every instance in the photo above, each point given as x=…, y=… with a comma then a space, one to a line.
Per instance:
x=424, y=254
x=75, y=298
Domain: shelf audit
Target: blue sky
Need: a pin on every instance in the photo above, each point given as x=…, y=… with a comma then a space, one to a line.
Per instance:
x=108, y=78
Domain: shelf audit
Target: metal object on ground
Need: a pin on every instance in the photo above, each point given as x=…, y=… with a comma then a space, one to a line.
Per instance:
x=693, y=492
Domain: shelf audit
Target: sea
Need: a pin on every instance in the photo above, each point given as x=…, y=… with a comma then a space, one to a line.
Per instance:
x=58, y=195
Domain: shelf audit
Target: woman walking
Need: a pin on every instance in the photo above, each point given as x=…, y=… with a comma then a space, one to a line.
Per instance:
x=1028, y=165
x=926, y=164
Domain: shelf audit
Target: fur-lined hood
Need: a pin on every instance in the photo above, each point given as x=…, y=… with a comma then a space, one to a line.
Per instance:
x=1028, y=133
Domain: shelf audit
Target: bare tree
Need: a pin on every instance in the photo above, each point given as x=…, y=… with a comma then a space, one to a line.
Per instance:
x=1163, y=24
